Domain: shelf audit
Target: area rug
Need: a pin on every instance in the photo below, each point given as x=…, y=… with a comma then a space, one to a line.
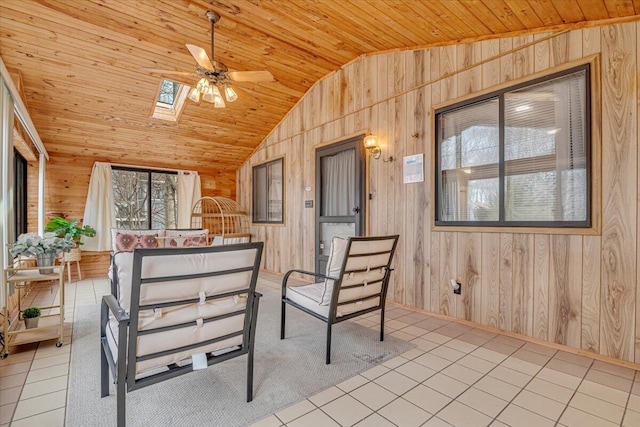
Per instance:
x=285, y=372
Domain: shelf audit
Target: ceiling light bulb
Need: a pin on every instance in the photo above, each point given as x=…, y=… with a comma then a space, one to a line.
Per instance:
x=194, y=95
x=208, y=95
x=230, y=94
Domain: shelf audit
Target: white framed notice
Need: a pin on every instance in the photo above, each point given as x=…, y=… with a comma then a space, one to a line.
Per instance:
x=413, y=168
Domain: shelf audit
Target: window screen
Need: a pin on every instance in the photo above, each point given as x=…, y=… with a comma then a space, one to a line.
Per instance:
x=268, y=191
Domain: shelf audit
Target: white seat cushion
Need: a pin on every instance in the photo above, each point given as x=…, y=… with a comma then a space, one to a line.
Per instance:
x=334, y=267
x=308, y=296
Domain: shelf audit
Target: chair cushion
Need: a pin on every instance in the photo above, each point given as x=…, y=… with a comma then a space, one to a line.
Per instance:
x=128, y=240
x=308, y=296
x=334, y=266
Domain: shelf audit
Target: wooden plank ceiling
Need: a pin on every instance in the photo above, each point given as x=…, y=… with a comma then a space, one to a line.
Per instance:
x=80, y=62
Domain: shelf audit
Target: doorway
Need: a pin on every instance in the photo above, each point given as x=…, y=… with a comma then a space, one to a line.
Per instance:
x=340, y=195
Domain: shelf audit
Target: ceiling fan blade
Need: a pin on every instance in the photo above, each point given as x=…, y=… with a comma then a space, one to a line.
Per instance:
x=159, y=71
x=200, y=56
x=251, y=76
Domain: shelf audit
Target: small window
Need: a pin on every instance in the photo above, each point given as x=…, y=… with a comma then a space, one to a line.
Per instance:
x=170, y=100
x=268, y=191
x=518, y=157
x=145, y=199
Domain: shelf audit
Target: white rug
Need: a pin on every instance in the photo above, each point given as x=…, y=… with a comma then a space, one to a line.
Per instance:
x=284, y=372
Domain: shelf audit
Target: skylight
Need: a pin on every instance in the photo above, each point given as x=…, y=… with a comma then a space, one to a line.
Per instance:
x=168, y=93
x=170, y=100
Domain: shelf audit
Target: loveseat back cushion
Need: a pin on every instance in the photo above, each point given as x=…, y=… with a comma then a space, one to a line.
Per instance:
x=185, y=238
x=128, y=240
x=334, y=266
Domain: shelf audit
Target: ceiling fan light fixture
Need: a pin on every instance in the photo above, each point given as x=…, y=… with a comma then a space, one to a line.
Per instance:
x=230, y=94
x=203, y=85
x=194, y=95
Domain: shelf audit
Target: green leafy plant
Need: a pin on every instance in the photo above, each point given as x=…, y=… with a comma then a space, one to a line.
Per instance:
x=31, y=244
x=63, y=227
x=30, y=313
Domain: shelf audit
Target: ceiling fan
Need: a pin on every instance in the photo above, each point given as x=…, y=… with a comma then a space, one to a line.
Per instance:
x=215, y=77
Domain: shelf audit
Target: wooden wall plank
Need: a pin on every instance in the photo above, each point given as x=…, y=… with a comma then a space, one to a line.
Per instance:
x=619, y=164
x=490, y=279
x=469, y=303
x=522, y=296
x=448, y=270
x=541, y=287
x=506, y=282
x=590, y=336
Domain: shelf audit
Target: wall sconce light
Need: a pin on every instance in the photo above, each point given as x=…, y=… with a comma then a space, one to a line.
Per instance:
x=371, y=144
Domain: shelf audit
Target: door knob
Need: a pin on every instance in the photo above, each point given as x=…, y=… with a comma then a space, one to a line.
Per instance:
x=356, y=210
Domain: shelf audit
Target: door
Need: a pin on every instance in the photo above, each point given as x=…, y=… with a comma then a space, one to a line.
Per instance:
x=340, y=203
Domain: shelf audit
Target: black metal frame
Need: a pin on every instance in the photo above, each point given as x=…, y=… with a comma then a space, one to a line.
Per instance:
x=123, y=372
x=253, y=191
x=149, y=172
x=499, y=95
x=337, y=286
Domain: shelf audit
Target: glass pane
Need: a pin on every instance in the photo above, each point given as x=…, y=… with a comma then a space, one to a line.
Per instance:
x=274, y=206
x=339, y=184
x=328, y=230
x=168, y=92
x=546, y=151
x=130, y=199
x=469, y=156
x=164, y=200
x=260, y=194
x=482, y=199
x=531, y=197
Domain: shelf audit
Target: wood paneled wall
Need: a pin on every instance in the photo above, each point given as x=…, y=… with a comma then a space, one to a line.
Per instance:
x=577, y=290
x=67, y=183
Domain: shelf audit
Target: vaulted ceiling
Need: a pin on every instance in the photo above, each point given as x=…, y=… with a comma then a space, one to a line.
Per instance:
x=80, y=62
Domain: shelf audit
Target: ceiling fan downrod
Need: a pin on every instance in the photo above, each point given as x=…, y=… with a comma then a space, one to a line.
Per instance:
x=213, y=17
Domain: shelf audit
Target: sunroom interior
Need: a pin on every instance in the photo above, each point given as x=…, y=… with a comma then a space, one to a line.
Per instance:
x=497, y=138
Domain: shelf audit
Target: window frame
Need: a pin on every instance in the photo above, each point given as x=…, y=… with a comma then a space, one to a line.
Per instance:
x=592, y=151
x=265, y=165
x=149, y=203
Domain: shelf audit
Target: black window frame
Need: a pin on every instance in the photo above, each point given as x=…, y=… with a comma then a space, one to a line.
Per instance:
x=20, y=176
x=149, y=189
x=254, y=193
x=499, y=95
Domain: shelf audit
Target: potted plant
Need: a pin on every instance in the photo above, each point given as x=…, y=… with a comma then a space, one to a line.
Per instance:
x=63, y=227
x=44, y=248
x=31, y=316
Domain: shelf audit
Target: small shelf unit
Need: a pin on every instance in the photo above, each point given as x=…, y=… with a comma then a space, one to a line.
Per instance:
x=50, y=326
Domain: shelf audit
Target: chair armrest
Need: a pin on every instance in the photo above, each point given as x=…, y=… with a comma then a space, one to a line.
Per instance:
x=285, y=279
x=110, y=302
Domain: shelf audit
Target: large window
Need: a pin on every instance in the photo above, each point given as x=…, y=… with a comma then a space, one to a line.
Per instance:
x=268, y=190
x=517, y=157
x=145, y=199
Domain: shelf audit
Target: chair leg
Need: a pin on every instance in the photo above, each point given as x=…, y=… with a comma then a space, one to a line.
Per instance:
x=250, y=376
x=104, y=373
x=121, y=402
x=382, y=324
x=328, y=357
x=282, y=319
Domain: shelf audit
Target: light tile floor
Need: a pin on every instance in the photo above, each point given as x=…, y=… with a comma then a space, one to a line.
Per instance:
x=456, y=375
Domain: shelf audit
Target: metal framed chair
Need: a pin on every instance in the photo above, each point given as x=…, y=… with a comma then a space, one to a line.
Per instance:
x=177, y=310
x=356, y=283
